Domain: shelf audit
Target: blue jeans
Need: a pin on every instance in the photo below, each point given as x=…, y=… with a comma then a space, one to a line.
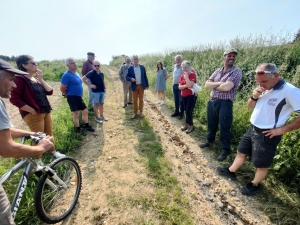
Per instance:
x=219, y=111
x=98, y=98
x=178, y=100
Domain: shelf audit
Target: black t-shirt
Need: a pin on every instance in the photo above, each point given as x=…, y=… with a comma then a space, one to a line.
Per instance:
x=96, y=79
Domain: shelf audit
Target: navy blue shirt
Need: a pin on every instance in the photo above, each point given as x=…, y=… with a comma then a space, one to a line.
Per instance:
x=96, y=79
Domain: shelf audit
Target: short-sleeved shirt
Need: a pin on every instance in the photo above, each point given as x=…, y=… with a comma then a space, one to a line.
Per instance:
x=4, y=119
x=96, y=79
x=87, y=67
x=234, y=75
x=274, y=107
x=187, y=92
x=73, y=82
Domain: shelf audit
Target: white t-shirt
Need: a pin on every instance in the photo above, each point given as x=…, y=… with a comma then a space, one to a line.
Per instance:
x=274, y=107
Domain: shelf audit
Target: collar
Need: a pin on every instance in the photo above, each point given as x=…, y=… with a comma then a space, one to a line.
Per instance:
x=279, y=85
x=136, y=66
x=231, y=68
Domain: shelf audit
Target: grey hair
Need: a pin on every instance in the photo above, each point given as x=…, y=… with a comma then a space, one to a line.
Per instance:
x=178, y=56
x=135, y=56
x=269, y=67
x=186, y=63
x=68, y=60
x=95, y=61
x=2, y=75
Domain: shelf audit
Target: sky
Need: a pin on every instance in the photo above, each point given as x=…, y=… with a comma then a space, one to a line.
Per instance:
x=58, y=29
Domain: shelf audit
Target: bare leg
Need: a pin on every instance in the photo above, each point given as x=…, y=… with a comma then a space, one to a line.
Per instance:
x=163, y=95
x=238, y=162
x=96, y=106
x=85, y=116
x=101, y=109
x=76, y=118
x=260, y=174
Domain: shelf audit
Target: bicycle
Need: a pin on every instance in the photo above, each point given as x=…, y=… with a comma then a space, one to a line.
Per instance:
x=57, y=190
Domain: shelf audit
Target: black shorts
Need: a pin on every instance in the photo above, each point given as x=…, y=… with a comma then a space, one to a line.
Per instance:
x=261, y=148
x=76, y=103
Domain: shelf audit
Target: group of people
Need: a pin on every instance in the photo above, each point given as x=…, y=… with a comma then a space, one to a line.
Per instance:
x=272, y=101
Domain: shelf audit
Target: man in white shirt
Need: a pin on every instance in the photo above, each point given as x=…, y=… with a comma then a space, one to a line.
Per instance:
x=273, y=101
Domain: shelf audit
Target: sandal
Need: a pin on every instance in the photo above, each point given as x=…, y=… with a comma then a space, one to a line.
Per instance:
x=141, y=116
x=133, y=116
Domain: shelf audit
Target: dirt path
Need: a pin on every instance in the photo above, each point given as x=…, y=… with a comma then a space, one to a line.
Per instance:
x=115, y=179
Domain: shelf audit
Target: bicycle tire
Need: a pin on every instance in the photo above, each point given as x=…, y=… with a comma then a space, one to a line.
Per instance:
x=51, y=205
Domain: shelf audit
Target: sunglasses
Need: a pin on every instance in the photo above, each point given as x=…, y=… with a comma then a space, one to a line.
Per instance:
x=261, y=73
x=33, y=63
x=96, y=65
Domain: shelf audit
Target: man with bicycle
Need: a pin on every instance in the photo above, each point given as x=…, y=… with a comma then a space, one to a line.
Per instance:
x=8, y=147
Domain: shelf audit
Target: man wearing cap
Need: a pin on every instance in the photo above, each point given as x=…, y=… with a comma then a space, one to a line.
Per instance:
x=126, y=84
x=273, y=102
x=87, y=67
x=8, y=147
x=223, y=84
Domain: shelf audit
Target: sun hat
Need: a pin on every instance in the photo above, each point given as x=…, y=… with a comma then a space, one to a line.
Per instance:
x=8, y=67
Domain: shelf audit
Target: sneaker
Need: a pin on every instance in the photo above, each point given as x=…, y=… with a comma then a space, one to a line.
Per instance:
x=158, y=102
x=205, y=145
x=80, y=131
x=250, y=189
x=226, y=173
x=129, y=103
x=162, y=103
x=175, y=114
x=89, y=128
x=185, y=127
x=103, y=118
x=57, y=155
x=98, y=120
x=124, y=106
x=190, y=129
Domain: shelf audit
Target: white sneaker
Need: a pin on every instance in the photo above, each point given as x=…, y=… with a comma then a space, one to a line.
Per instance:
x=98, y=120
x=158, y=102
x=57, y=155
x=103, y=118
x=162, y=103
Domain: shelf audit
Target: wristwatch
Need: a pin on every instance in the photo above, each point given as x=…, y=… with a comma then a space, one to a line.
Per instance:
x=254, y=99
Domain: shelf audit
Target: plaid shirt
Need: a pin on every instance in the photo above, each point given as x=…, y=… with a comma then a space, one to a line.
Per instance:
x=234, y=75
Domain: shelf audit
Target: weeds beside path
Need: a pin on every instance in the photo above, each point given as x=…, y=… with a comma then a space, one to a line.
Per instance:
x=134, y=172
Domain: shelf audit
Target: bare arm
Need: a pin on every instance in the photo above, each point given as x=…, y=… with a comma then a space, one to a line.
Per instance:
x=255, y=94
x=209, y=84
x=227, y=86
x=9, y=148
x=84, y=80
x=45, y=85
x=63, y=89
x=166, y=75
x=17, y=133
x=281, y=130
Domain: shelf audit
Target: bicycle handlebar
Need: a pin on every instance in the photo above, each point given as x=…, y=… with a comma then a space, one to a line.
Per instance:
x=37, y=137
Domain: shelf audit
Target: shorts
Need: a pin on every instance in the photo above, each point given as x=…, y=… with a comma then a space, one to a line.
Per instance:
x=261, y=148
x=98, y=98
x=5, y=215
x=76, y=103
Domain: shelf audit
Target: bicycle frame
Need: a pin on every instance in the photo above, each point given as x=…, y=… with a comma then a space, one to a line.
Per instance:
x=29, y=165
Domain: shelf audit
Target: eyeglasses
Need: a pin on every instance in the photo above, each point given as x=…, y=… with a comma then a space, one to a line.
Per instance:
x=261, y=73
x=72, y=63
x=33, y=63
x=96, y=65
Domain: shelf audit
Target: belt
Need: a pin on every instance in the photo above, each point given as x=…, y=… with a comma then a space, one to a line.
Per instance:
x=258, y=129
x=138, y=84
x=175, y=84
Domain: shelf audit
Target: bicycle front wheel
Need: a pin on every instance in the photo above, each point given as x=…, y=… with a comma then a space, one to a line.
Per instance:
x=54, y=201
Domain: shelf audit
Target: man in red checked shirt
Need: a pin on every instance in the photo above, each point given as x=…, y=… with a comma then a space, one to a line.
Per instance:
x=223, y=84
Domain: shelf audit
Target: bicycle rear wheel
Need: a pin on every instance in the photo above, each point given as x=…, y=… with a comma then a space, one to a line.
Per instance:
x=54, y=203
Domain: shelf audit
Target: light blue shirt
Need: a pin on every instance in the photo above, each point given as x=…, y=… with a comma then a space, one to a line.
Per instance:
x=137, y=73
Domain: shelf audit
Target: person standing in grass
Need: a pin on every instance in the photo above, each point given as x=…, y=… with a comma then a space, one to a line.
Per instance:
x=97, y=85
x=87, y=67
x=272, y=102
x=139, y=82
x=160, y=83
x=30, y=96
x=189, y=98
x=71, y=88
x=8, y=147
x=126, y=84
x=223, y=84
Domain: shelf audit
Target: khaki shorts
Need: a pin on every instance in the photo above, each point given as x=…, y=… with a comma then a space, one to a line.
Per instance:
x=5, y=215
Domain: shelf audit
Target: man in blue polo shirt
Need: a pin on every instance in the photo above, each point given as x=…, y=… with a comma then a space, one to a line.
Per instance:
x=98, y=90
x=273, y=101
x=71, y=88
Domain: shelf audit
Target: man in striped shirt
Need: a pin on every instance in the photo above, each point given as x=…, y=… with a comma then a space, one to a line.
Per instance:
x=223, y=84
